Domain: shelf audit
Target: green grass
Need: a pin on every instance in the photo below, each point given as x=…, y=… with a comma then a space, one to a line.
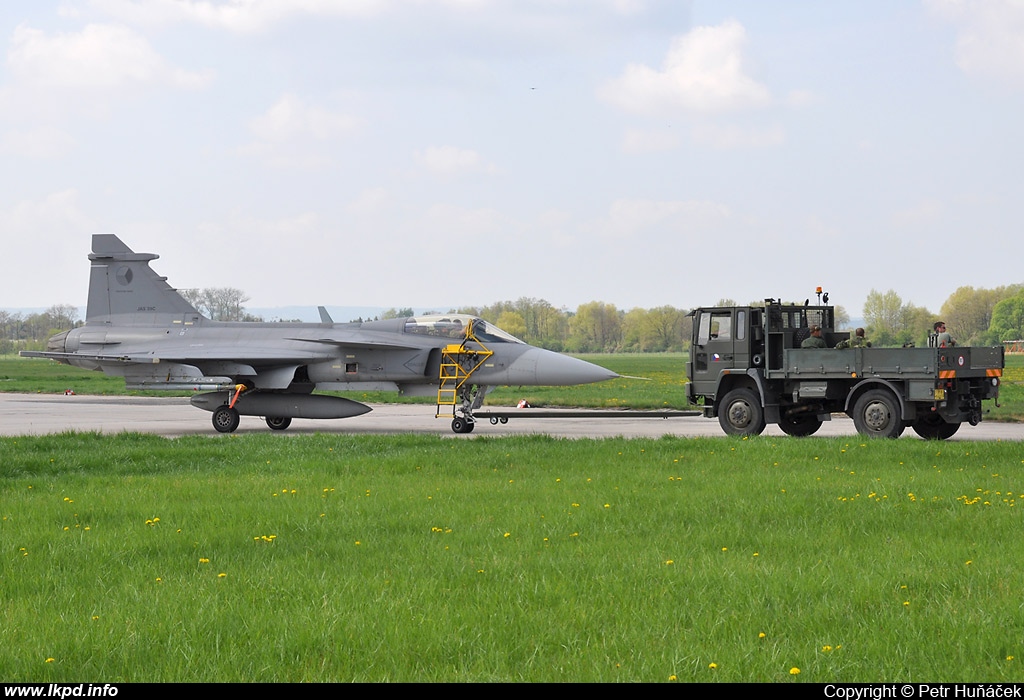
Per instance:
x=420, y=558
x=663, y=386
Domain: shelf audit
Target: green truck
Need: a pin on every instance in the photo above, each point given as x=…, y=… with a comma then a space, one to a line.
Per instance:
x=748, y=369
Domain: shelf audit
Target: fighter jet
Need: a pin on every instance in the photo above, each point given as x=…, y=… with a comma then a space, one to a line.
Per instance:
x=138, y=327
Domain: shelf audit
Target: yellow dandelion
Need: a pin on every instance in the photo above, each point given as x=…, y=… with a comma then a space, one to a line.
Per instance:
x=669, y=562
x=49, y=660
x=794, y=671
x=671, y=678
x=712, y=665
x=508, y=534
x=221, y=575
x=761, y=635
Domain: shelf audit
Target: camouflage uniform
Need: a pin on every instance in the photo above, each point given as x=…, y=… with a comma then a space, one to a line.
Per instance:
x=857, y=341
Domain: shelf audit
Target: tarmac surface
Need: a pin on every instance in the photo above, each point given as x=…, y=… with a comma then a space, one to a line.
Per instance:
x=41, y=414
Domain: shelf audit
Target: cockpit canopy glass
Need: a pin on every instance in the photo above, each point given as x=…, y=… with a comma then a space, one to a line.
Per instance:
x=455, y=326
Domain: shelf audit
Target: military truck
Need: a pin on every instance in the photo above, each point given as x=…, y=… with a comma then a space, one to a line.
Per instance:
x=748, y=369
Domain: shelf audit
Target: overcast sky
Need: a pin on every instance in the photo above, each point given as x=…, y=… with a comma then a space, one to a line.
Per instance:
x=429, y=153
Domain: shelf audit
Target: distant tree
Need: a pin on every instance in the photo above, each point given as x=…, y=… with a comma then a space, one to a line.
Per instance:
x=62, y=317
x=968, y=312
x=397, y=313
x=218, y=303
x=842, y=317
x=512, y=322
x=882, y=313
x=892, y=322
x=596, y=327
x=1007, y=319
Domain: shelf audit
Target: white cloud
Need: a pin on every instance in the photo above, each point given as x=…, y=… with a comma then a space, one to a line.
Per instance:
x=290, y=117
x=245, y=16
x=926, y=212
x=628, y=218
x=450, y=160
x=100, y=57
x=42, y=244
x=731, y=136
x=291, y=133
x=702, y=72
x=990, y=37
x=38, y=142
x=369, y=201
x=650, y=141
x=451, y=220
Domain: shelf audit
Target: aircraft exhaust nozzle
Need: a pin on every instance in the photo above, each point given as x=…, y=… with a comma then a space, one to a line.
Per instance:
x=57, y=342
x=279, y=405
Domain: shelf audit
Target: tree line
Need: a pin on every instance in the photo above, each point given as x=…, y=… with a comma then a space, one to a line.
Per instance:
x=973, y=316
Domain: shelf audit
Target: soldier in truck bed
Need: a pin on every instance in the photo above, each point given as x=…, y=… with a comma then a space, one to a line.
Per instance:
x=857, y=341
x=814, y=340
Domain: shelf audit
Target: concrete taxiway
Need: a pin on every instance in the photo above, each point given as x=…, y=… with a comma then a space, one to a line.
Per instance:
x=41, y=414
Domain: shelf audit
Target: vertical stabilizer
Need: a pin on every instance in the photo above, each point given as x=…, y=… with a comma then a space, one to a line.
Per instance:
x=122, y=284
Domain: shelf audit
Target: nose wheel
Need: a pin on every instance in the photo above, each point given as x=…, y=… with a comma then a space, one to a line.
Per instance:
x=461, y=425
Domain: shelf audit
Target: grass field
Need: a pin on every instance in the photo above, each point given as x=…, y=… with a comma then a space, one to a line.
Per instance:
x=419, y=558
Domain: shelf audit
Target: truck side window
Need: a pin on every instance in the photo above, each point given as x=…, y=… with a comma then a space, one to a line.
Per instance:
x=741, y=324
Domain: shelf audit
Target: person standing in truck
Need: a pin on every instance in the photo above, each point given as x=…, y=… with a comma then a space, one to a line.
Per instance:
x=941, y=337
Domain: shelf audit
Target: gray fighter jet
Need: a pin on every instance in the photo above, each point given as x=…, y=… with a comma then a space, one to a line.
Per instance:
x=138, y=327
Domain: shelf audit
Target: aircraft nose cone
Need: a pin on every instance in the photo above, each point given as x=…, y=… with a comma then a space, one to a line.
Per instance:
x=546, y=368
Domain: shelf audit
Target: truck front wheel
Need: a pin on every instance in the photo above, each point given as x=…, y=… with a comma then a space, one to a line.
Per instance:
x=741, y=413
x=931, y=427
x=877, y=414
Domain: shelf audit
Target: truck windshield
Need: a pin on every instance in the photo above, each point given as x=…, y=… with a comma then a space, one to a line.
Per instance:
x=714, y=325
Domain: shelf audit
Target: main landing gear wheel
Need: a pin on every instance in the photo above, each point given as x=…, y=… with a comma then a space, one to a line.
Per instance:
x=225, y=419
x=930, y=426
x=278, y=423
x=877, y=414
x=800, y=425
x=741, y=413
x=461, y=425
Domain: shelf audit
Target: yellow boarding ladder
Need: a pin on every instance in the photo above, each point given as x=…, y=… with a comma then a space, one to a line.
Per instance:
x=458, y=363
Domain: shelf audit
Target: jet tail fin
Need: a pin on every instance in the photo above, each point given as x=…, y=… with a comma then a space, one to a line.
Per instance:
x=122, y=283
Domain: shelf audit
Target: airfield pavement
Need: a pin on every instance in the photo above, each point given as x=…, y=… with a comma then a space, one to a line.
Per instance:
x=41, y=414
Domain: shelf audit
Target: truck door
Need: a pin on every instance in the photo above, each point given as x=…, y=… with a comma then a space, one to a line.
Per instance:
x=720, y=345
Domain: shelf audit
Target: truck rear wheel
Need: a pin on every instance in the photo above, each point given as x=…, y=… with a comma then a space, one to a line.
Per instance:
x=877, y=414
x=800, y=425
x=931, y=427
x=741, y=414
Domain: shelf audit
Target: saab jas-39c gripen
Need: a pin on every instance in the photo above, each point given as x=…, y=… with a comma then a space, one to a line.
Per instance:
x=138, y=327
